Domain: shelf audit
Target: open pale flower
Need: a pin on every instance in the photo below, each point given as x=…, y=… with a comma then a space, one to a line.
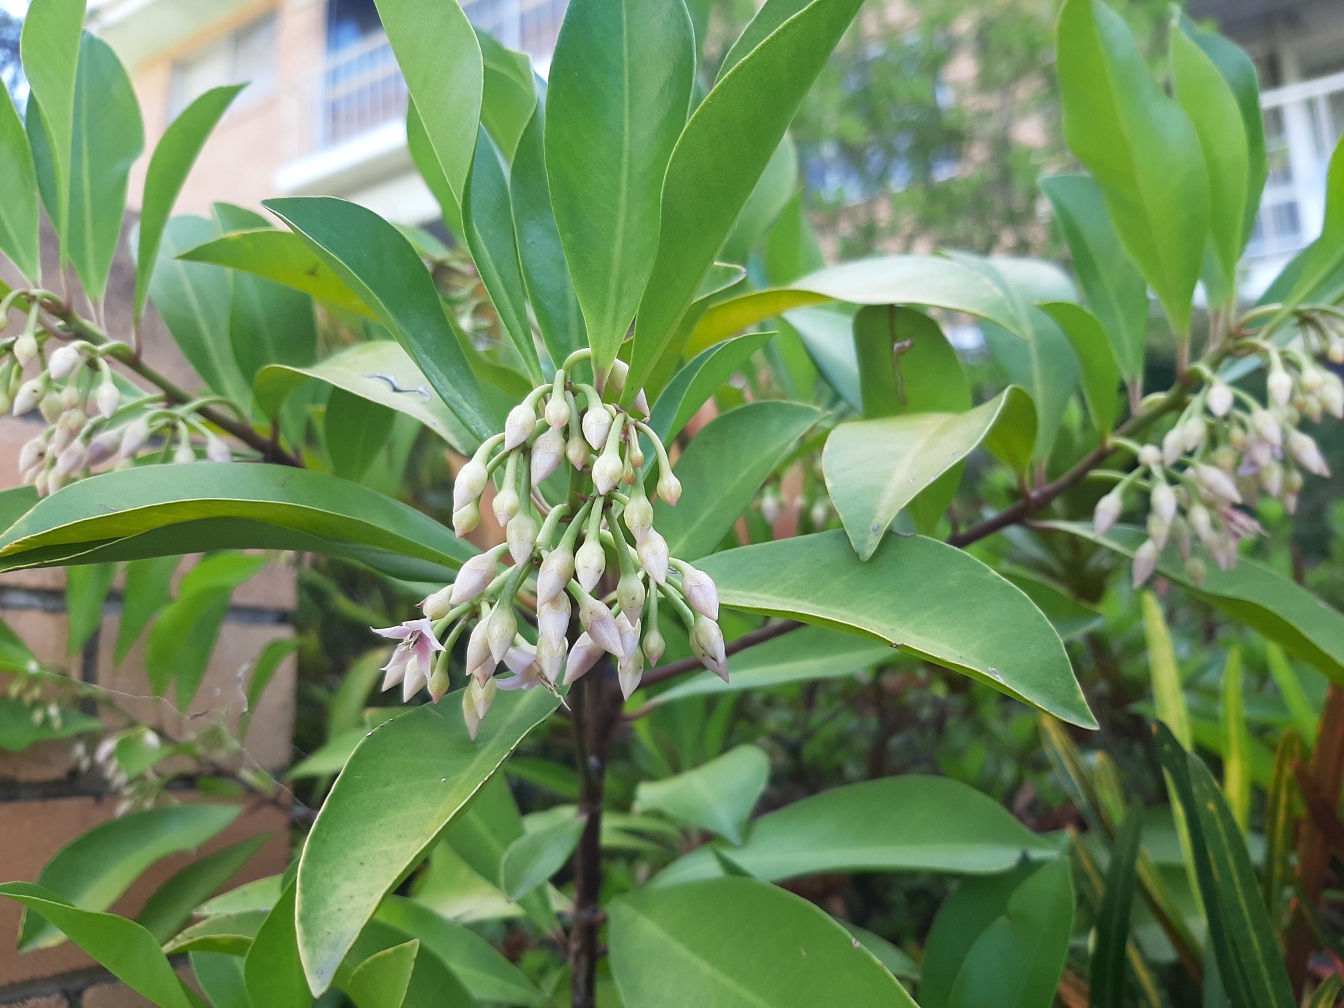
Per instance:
x=412, y=660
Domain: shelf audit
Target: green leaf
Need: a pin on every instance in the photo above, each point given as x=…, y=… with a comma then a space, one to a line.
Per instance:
x=684, y=946
x=355, y=429
x=220, y=977
x=433, y=984
x=1142, y=149
x=487, y=220
x=195, y=300
x=1249, y=962
x=50, y=47
x=440, y=57
x=272, y=971
x=1017, y=961
x=540, y=254
x=377, y=261
x=125, y=948
x=227, y=933
x=486, y=974
x=717, y=162
x=259, y=895
x=874, y=468
x=182, y=640
x=913, y=594
x=1237, y=742
x=263, y=670
x=1108, y=972
x=148, y=589
x=694, y=384
x=910, y=823
x=172, y=159
x=717, y=796
x=509, y=97
x=18, y=732
x=1096, y=362
x=1305, y=715
x=18, y=211
x=1043, y=363
x=86, y=590
x=380, y=981
x=95, y=868
x=1168, y=694
x=620, y=85
x=170, y=907
x=727, y=318
x=281, y=256
x=402, y=786
x=897, y=962
x=1115, y=289
x=170, y=510
x=768, y=200
x=724, y=466
x=791, y=246
x=1325, y=255
x=1069, y=617
x=538, y=854
x=1207, y=98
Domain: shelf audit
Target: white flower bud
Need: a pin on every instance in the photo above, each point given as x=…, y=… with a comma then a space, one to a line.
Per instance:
x=556, y=570
x=184, y=453
x=470, y=482
x=466, y=518
x=438, y=683
x=521, y=535
x=32, y=453
x=1332, y=393
x=582, y=656
x=596, y=427
x=1265, y=424
x=654, y=557
x=654, y=645
x=1107, y=511
x=819, y=513
x=771, y=508
x=1279, y=386
x=519, y=425
x=520, y=659
x=598, y=620
x=639, y=516
x=133, y=437
x=108, y=398
x=577, y=452
x=589, y=563
x=480, y=663
x=1145, y=562
x=1217, y=483
x=50, y=406
x=669, y=488
x=41, y=481
x=501, y=628
x=1201, y=522
x=30, y=394
x=25, y=349
x=61, y=437
x=707, y=645
x=553, y=619
x=629, y=632
x=607, y=472
x=551, y=657
x=630, y=593
x=1219, y=398
x=547, y=451
x=71, y=396
x=701, y=592
x=629, y=671
x=1173, y=446
x=472, y=579
x=71, y=460
x=506, y=504
x=1271, y=478
x=1193, y=432
x=476, y=701
x=1180, y=536
x=1158, y=530
x=1312, y=379
x=1150, y=455
x=1196, y=571
x=216, y=450
x=1304, y=449
x=63, y=361
x=1163, y=502
x=439, y=604
x=55, y=481
x=557, y=412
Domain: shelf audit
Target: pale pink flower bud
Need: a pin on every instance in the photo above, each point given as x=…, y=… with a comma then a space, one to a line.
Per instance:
x=582, y=656
x=25, y=349
x=1280, y=386
x=629, y=632
x=1193, y=432
x=506, y=504
x=480, y=663
x=1145, y=562
x=501, y=628
x=42, y=482
x=70, y=396
x=1180, y=536
x=1265, y=424
x=1158, y=530
x=639, y=516
x=133, y=437
x=520, y=659
x=598, y=620
x=32, y=453
x=1150, y=455
x=470, y=482
x=556, y=570
x=1107, y=511
x=1307, y=454
x=1196, y=571
x=108, y=398
x=216, y=450
x=1311, y=380
x=1219, y=398
x=701, y=592
x=707, y=645
x=184, y=453
x=629, y=671
x=63, y=361
x=1332, y=393
x=654, y=557
x=519, y=425
x=553, y=619
x=1271, y=478
x=439, y=604
x=466, y=518
x=51, y=407
x=577, y=452
x=1217, y=483
x=551, y=658
x=29, y=395
x=1201, y=522
x=473, y=578
x=547, y=451
x=654, y=645
x=71, y=460
x=557, y=412
x=1163, y=502
x=669, y=488
x=770, y=506
x=630, y=593
x=1173, y=446
x=596, y=427
x=607, y=472
x=476, y=700
x=590, y=563
x=61, y=438
x=521, y=535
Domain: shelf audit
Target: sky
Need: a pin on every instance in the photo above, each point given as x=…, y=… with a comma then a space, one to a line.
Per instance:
x=14, y=6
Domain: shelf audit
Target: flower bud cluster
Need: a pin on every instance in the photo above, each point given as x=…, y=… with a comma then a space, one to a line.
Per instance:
x=560, y=556
x=1221, y=454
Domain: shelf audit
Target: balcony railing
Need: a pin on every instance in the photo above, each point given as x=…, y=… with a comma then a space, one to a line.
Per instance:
x=1303, y=123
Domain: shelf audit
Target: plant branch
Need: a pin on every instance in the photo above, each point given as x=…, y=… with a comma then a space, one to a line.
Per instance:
x=771, y=630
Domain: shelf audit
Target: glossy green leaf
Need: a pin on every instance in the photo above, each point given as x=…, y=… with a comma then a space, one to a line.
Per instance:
x=123, y=947
x=1108, y=970
x=226, y=933
x=1200, y=88
x=273, y=972
x=1113, y=286
x=402, y=786
x=684, y=945
x=487, y=220
x=432, y=984
x=910, y=823
x=874, y=468
x=1096, y=362
x=18, y=732
x=281, y=256
x=356, y=431
x=897, y=962
x=486, y=974
x=426, y=162
x=173, y=157
x=148, y=589
x=1069, y=617
x=722, y=469
x=263, y=670
x=718, y=160
x=727, y=318
x=381, y=980
x=50, y=46
x=913, y=594
x=1168, y=693
x=182, y=640
x=694, y=384
x=1250, y=965
x=1305, y=715
x=86, y=591
x=321, y=511
x=542, y=257
x=220, y=977
x=799, y=656
x=170, y=907
x=1043, y=363
x=1320, y=262
x=1142, y=149
x=767, y=201
x=791, y=246
x=1017, y=961
x=377, y=261
x=440, y=57
x=1236, y=742
x=717, y=796
x=509, y=96
x=19, y=211
x=537, y=855
x=95, y=868
x=620, y=84
x=259, y=895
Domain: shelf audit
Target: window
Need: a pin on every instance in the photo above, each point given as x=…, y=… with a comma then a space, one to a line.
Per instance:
x=246, y=55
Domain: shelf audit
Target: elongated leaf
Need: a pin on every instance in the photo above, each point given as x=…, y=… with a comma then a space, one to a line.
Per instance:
x=1142, y=149
x=537, y=855
x=908, y=823
x=1043, y=363
x=402, y=786
x=381, y=980
x=94, y=869
x=695, y=383
x=727, y=318
x=722, y=469
x=1237, y=742
x=1096, y=362
x=437, y=51
x=170, y=907
x=433, y=984
x=767, y=201
x=791, y=246
x=874, y=468
x=1168, y=693
x=377, y=261
x=172, y=159
x=182, y=640
x=682, y=945
x=1322, y=259
x=717, y=796
x=125, y=948
x=1115, y=289
x=229, y=933
x=49, y=46
x=913, y=594
x=509, y=95
x=356, y=431
x=18, y=212
x=18, y=732
x=718, y=160
x=1108, y=978
x=220, y=978
x=273, y=972
x=1305, y=715
x=86, y=590
x=620, y=84
x=148, y=589
x=1281, y=803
